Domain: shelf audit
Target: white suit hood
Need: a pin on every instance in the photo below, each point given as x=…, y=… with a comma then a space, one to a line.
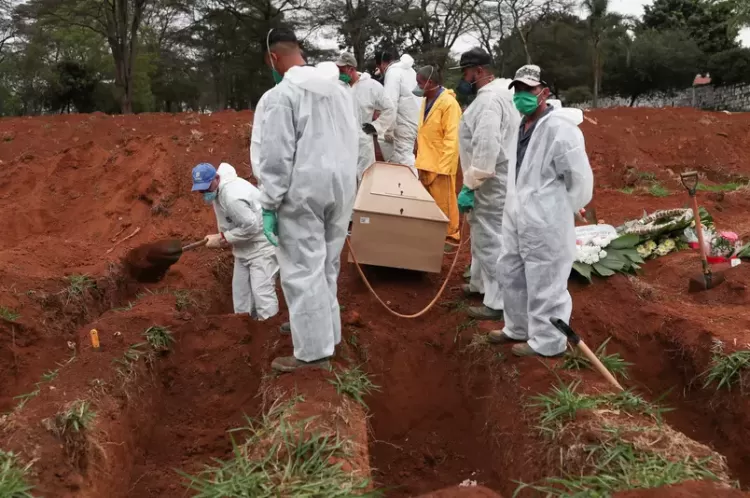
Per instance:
x=321, y=79
x=226, y=173
x=406, y=61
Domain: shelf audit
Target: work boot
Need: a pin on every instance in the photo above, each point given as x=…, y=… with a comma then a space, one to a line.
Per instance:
x=466, y=289
x=499, y=337
x=467, y=273
x=524, y=350
x=286, y=328
x=485, y=313
x=290, y=364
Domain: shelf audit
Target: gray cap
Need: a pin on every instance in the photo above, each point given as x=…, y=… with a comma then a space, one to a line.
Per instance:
x=529, y=75
x=346, y=59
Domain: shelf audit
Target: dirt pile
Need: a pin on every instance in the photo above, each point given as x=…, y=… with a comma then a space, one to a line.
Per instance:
x=83, y=190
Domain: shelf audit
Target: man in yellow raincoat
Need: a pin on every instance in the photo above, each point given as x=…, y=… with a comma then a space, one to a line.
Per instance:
x=437, y=144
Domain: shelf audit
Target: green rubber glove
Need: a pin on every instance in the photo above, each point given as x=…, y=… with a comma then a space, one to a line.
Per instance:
x=271, y=227
x=465, y=200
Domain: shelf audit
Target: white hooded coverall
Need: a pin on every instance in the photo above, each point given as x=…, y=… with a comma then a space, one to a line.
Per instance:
x=238, y=215
x=307, y=164
x=369, y=96
x=487, y=140
x=554, y=181
x=399, y=82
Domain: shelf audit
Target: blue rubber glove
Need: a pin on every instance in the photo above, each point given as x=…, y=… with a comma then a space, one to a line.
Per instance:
x=271, y=227
x=465, y=200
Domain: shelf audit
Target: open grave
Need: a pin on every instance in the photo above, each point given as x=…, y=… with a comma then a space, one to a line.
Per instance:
x=420, y=407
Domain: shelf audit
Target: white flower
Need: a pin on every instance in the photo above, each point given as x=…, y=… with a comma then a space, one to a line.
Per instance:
x=602, y=254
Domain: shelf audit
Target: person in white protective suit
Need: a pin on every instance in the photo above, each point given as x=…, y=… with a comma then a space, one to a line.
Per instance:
x=369, y=96
x=487, y=148
x=551, y=182
x=400, y=79
x=307, y=168
x=237, y=207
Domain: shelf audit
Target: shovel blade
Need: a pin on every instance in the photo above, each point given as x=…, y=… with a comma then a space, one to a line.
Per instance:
x=703, y=282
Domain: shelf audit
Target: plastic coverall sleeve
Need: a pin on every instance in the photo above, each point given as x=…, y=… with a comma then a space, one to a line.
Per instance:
x=249, y=221
x=255, y=136
x=572, y=164
x=486, y=146
x=386, y=107
x=276, y=152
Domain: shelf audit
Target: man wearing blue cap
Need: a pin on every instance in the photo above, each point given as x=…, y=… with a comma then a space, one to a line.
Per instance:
x=237, y=206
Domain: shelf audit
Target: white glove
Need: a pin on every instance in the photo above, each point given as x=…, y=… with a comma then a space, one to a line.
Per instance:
x=214, y=241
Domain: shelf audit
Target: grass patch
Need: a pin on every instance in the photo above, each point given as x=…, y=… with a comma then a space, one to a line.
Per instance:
x=627, y=190
x=76, y=418
x=355, y=383
x=722, y=187
x=635, y=403
x=9, y=314
x=183, y=300
x=575, y=360
x=658, y=191
x=126, y=364
x=647, y=176
x=160, y=338
x=479, y=342
x=726, y=369
x=562, y=404
x=13, y=477
x=281, y=458
x=455, y=305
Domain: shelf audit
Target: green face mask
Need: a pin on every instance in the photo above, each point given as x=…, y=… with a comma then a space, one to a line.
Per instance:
x=526, y=102
x=276, y=76
x=345, y=78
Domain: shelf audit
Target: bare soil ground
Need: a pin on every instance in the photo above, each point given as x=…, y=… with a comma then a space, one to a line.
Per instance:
x=449, y=408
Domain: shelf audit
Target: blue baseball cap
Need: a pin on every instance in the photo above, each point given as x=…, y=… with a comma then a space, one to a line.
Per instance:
x=203, y=175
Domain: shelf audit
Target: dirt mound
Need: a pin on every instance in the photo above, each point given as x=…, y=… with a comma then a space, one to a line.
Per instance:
x=86, y=189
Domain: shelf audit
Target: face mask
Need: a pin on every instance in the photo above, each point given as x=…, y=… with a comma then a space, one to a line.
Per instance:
x=345, y=78
x=419, y=92
x=209, y=197
x=465, y=88
x=526, y=102
x=276, y=76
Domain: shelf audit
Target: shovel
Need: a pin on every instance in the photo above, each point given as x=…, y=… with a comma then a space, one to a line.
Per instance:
x=708, y=279
x=577, y=342
x=150, y=262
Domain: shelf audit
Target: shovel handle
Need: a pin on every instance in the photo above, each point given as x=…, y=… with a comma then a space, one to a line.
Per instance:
x=699, y=233
x=194, y=245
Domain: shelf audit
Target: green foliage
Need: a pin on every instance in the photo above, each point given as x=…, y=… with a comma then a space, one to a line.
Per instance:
x=160, y=338
x=575, y=360
x=658, y=191
x=280, y=458
x=13, y=477
x=79, y=284
x=562, y=404
x=577, y=95
x=76, y=418
x=726, y=370
x=355, y=383
x=730, y=67
x=9, y=314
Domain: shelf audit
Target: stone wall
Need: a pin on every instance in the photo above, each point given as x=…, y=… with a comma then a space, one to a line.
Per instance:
x=734, y=98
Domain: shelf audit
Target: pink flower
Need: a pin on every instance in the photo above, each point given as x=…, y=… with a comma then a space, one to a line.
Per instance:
x=730, y=236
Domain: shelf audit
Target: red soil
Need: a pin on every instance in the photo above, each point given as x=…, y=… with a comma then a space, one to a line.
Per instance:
x=77, y=185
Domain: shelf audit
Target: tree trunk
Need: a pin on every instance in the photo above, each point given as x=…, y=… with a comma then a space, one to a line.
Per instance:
x=596, y=77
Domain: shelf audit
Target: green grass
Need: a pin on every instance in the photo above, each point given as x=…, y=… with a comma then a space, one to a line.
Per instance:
x=614, y=362
x=726, y=370
x=627, y=190
x=562, y=404
x=9, y=314
x=355, y=383
x=183, y=300
x=125, y=365
x=479, y=342
x=76, y=418
x=635, y=403
x=280, y=458
x=13, y=477
x=78, y=285
x=127, y=307
x=160, y=338
x=658, y=191
x=647, y=176
x=50, y=375
x=722, y=187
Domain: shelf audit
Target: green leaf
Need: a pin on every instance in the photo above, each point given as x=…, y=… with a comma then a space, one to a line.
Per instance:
x=632, y=255
x=627, y=241
x=602, y=270
x=613, y=264
x=582, y=269
x=744, y=251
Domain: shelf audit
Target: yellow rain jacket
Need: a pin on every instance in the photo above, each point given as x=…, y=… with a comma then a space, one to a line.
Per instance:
x=437, y=154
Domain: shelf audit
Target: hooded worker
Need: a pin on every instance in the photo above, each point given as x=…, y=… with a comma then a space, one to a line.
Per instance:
x=369, y=97
x=307, y=167
x=437, y=144
x=487, y=145
x=399, y=81
x=551, y=181
x=237, y=207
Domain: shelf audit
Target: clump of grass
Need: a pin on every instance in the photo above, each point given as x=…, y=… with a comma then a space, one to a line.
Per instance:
x=723, y=187
x=627, y=190
x=281, y=458
x=658, y=191
x=635, y=403
x=647, y=176
x=355, y=383
x=614, y=362
x=456, y=305
x=125, y=365
x=50, y=375
x=562, y=404
x=76, y=418
x=183, y=300
x=78, y=284
x=26, y=397
x=479, y=342
x=9, y=314
x=726, y=369
x=160, y=338
x=13, y=477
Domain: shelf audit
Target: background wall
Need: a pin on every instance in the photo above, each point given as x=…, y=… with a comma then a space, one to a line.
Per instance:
x=734, y=98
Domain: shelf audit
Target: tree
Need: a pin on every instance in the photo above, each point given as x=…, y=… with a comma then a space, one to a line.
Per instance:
x=730, y=67
x=710, y=23
x=599, y=20
x=525, y=15
x=7, y=27
x=656, y=61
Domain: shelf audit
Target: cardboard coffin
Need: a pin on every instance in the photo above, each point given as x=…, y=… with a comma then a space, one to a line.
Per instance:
x=396, y=223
